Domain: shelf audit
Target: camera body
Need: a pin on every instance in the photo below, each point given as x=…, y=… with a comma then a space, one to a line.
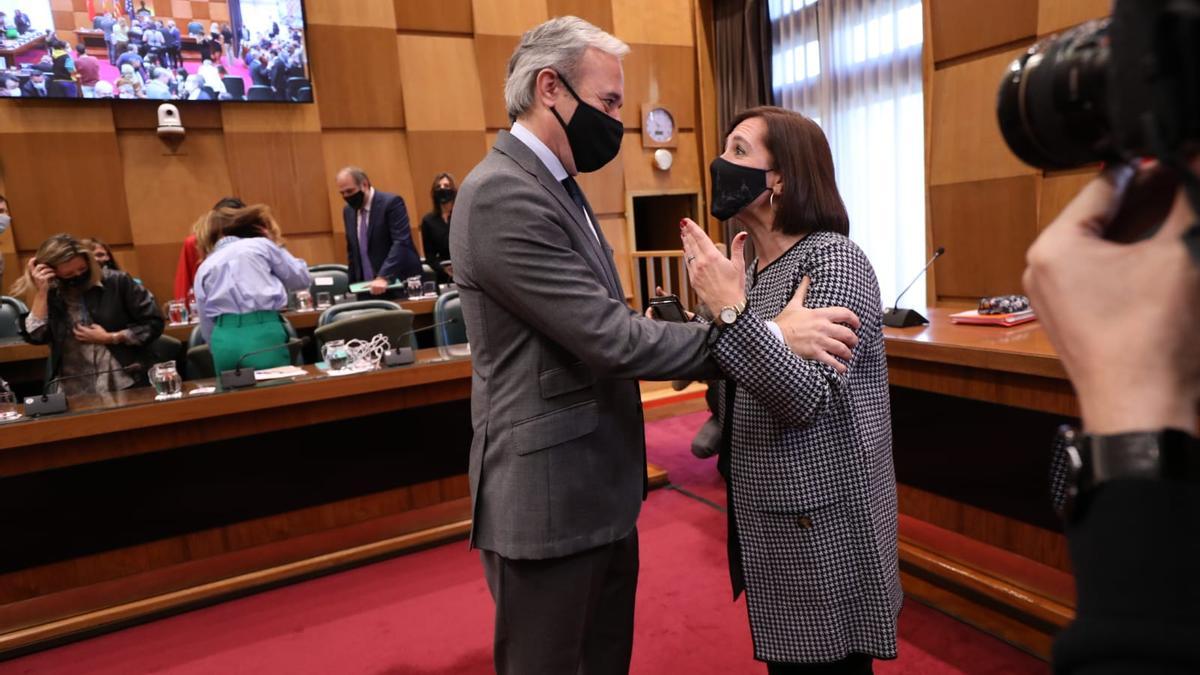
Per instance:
x=169, y=125
x=1108, y=90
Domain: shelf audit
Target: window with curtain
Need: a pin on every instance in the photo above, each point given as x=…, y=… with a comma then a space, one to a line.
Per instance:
x=854, y=67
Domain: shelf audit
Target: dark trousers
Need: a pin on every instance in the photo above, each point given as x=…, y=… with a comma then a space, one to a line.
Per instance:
x=855, y=664
x=565, y=615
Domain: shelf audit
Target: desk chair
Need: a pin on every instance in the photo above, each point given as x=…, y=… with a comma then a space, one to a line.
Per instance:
x=447, y=307
x=338, y=273
x=395, y=324
x=235, y=85
x=199, y=363
x=166, y=348
x=304, y=95
x=292, y=86
x=260, y=92
x=11, y=310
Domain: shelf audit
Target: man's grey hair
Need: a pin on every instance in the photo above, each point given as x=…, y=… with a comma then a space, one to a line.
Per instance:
x=356, y=173
x=558, y=44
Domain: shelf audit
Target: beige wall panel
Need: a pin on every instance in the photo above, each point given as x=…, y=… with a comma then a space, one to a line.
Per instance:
x=986, y=227
x=965, y=134
x=270, y=118
x=660, y=74
x=667, y=22
x=356, y=75
x=368, y=13
x=431, y=152
x=1058, y=190
x=313, y=249
x=491, y=139
x=615, y=232
x=443, y=83
x=54, y=117
x=1055, y=15
x=53, y=187
x=508, y=17
x=598, y=12
x=285, y=171
x=640, y=173
x=492, y=53
x=967, y=26
x=451, y=16
x=382, y=154
x=156, y=265
x=167, y=193
x=605, y=189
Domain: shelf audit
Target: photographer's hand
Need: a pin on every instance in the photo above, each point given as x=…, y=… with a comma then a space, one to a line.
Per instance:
x=1124, y=318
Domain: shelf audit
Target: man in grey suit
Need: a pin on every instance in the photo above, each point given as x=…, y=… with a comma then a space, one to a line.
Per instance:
x=558, y=467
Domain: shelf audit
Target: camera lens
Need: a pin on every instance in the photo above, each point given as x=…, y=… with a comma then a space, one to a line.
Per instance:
x=1052, y=104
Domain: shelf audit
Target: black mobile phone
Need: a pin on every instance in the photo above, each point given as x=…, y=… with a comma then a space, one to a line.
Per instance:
x=668, y=308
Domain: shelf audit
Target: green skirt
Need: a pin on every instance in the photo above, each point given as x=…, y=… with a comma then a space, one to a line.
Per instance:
x=237, y=334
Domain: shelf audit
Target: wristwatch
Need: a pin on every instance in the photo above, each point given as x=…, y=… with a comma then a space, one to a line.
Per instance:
x=729, y=314
x=1169, y=454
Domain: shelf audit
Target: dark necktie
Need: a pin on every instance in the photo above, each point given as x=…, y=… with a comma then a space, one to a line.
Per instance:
x=576, y=194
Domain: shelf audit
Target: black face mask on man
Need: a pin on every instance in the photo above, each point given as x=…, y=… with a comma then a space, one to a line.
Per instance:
x=594, y=137
x=444, y=195
x=356, y=200
x=733, y=187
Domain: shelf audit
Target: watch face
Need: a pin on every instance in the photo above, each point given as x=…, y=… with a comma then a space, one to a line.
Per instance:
x=660, y=126
x=728, y=315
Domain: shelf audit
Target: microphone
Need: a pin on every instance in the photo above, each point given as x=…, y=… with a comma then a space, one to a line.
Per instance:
x=52, y=404
x=404, y=356
x=238, y=378
x=905, y=318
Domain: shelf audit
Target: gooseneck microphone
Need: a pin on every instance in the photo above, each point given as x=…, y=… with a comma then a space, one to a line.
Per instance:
x=54, y=403
x=895, y=317
x=403, y=356
x=239, y=377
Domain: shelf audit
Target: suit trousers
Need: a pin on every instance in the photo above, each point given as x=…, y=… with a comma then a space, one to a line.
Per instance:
x=565, y=615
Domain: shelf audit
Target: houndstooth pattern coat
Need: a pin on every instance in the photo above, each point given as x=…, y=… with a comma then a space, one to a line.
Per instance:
x=812, y=482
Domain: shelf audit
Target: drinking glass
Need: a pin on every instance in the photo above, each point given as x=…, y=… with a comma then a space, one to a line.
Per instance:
x=414, y=286
x=166, y=381
x=429, y=288
x=304, y=301
x=193, y=309
x=177, y=313
x=336, y=355
x=9, y=410
x=323, y=300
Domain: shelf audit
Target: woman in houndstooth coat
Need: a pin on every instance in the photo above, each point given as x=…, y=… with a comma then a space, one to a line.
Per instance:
x=807, y=451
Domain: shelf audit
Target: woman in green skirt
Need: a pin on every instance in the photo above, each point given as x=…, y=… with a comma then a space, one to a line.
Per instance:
x=243, y=284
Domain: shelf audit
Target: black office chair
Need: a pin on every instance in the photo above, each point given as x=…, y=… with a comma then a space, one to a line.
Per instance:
x=11, y=310
x=292, y=86
x=447, y=307
x=304, y=95
x=427, y=273
x=349, y=310
x=166, y=348
x=260, y=92
x=338, y=276
x=395, y=324
x=235, y=85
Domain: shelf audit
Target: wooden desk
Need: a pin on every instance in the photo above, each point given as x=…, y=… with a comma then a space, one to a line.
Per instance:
x=973, y=414
x=202, y=493
x=22, y=46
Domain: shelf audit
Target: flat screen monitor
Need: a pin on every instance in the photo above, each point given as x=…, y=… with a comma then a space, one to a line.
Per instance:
x=223, y=50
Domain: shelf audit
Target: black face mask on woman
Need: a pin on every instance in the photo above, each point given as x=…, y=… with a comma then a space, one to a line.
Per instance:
x=444, y=195
x=75, y=282
x=733, y=187
x=594, y=137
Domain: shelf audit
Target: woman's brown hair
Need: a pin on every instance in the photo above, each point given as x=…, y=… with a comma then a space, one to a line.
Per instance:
x=255, y=220
x=55, y=251
x=810, y=201
x=433, y=190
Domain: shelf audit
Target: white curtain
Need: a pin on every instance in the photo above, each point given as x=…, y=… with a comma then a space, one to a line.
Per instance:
x=854, y=67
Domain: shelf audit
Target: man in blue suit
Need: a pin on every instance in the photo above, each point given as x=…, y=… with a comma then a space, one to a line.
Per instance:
x=379, y=245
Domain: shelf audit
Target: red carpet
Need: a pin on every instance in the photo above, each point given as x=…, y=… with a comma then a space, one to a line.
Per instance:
x=429, y=612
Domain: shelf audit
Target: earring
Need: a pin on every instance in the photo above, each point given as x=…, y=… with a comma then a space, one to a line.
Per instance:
x=772, y=199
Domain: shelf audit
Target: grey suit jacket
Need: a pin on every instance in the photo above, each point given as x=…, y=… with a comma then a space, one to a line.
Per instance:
x=558, y=457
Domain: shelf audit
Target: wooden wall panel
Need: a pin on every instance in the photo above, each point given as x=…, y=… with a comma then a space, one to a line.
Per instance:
x=505, y=17
x=365, y=13
x=442, y=79
x=51, y=117
x=144, y=115
x=967, y=144
x=286, y=172
x=492, y=53
x=967, y=26
x=156, y=265
x=166, y=192
x=660, y=74
x=1058, y=190
x=270, y=118
x=431, y=152
x=640, y=174
x=986, y=227
x=382, y=154
x=616, y=232
x=451, y=16
x=1055, y=15
x=605, y=189
x=356, y=75
x=667, y=22
x=598, y=13
x=64, y=182
x=314, y=249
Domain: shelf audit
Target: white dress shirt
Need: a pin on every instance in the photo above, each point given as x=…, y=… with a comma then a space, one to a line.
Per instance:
x=549, y=159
